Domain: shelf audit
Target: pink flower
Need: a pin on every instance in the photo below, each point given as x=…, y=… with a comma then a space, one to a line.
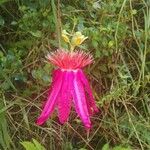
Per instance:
x=69, y=83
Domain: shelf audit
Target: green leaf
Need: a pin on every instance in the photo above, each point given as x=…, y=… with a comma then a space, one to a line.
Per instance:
x=110, y=44
x=36, y=33
x=38, y=145
x=121, y=148
x=28, y=145
x=96, y=5
x=95, y=43
x=103, y=68
x=3, y=1
x=134, y=12
x=97, y=53
x=32, y=146
x=68, y=146
x=2, y=21
x=106, y=147
x=5, y=139
x=13, y=23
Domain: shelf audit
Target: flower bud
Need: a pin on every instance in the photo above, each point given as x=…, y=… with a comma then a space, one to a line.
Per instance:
x=65, y=37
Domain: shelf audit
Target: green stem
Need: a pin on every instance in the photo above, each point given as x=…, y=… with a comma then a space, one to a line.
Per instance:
x=57, y=21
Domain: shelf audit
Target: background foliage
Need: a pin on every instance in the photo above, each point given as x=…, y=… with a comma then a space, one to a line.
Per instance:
x=118, y=37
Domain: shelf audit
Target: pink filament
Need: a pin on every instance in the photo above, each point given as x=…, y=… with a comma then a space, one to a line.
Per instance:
x=70, y=60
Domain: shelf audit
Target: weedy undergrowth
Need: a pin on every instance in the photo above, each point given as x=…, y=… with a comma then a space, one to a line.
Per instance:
x=118, y=37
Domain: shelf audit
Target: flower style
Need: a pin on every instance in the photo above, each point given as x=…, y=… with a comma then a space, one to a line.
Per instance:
x=65, y=36
x=69, y=84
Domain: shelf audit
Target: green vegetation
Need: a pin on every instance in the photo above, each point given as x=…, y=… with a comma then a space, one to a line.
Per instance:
x=118, y=37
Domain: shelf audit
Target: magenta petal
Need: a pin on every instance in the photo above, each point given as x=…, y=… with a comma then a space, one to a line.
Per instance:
x=64, y=101
x=89, y=91
x=80, y=100
x=51, y=101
